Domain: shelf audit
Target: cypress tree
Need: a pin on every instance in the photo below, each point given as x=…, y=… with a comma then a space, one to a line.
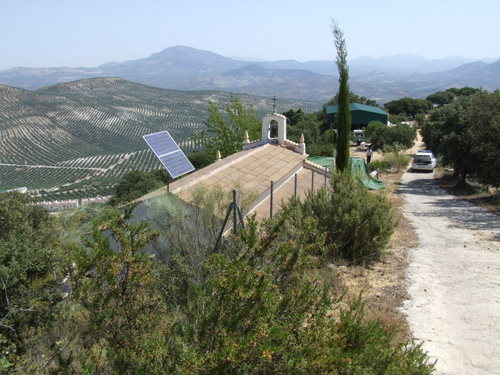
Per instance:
x=343, y=118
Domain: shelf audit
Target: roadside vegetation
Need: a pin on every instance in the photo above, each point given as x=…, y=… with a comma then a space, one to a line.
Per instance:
x=465, y=134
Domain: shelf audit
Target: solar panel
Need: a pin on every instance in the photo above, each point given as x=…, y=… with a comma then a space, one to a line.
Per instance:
x=169, y=153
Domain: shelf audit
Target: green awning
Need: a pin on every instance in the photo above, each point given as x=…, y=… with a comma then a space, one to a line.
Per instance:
x=358, y=169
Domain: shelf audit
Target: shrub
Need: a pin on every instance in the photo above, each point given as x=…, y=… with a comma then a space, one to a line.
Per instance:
x=400, y=137
x=374, y=130
x=357, y=223
x=201, y=159
x=378, y=164
x=135, y=184
x=262, y=308
x=396, y=159
x=320, y=149
x=30, y=274
x=408, y=106
x=258, y=306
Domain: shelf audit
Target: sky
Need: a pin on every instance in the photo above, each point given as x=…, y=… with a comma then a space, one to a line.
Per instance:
x=49, y=33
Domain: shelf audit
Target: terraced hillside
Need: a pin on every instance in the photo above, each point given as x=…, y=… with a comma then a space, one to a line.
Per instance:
x=77, y=139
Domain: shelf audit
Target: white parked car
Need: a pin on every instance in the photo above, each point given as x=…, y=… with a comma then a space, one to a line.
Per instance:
x=423, y=161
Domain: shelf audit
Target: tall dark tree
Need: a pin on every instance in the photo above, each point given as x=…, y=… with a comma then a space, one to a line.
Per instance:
x=343, y=118
x=466, y=134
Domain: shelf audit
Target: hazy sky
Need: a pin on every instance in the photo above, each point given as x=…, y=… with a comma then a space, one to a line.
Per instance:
x=91, y=32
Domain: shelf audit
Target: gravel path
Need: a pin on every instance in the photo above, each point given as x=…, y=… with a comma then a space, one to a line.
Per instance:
x=454, y=279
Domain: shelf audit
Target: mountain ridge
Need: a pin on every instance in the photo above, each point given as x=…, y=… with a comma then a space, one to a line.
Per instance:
x=187, y=68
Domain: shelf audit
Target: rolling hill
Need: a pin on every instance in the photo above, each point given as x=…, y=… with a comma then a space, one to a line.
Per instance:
x=76, y=139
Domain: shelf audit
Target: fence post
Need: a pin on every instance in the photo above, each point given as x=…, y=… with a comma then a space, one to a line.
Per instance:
x=326, y=171
x=235, y=214
x=295, y=186
x=312, y=179
x=271, y=200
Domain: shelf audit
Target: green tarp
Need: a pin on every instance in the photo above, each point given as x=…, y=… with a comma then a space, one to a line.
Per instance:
x=358, y=168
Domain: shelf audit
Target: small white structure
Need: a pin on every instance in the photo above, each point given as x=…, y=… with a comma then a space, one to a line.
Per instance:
x=22, y=190
x=57, y=206
x=302, y=145
x=246, y=140
x=274, y=131
x=272, y=123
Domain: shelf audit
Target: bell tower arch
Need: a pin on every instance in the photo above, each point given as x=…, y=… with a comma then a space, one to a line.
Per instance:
x=274, y=128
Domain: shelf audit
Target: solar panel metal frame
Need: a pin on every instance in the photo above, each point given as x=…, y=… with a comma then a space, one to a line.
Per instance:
x=168, y=153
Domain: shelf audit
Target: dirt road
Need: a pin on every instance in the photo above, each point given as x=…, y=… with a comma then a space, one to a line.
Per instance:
x=454, y=279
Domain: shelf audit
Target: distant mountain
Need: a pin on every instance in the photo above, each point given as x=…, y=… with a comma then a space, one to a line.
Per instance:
x=34, y=78
x=173, y=64
x=188, y=68
x=475, y=74
x=397, y=64
x=319, y=67
x=259, y=80
x=439, y=65
x=162, y=69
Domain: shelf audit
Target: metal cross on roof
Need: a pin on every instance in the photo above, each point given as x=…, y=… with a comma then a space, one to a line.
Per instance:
x=274, y=104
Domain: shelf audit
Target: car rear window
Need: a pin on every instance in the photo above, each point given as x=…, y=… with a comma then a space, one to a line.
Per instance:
x=422, y=158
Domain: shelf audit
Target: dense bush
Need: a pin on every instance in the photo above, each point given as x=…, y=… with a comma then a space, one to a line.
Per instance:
x=396, y=159
x=30, y=274
x=397, y=118
x=357, y=223
x=378, y=164
x=441, y=98
x=374, y=130
x=465, y=134
x=408, y=106
x=299, y=123
x=322, y=149
x=224, y=132
x=201, y=159
x=400, y=137
x=135, y=184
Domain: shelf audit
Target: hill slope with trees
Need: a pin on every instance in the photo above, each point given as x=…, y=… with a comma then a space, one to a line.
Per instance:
x=89, y=133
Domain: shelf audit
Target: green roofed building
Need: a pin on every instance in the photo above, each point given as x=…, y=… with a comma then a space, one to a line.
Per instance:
x=361, y=114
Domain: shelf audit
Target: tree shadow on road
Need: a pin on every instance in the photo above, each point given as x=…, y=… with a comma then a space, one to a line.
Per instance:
x=461, y=213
